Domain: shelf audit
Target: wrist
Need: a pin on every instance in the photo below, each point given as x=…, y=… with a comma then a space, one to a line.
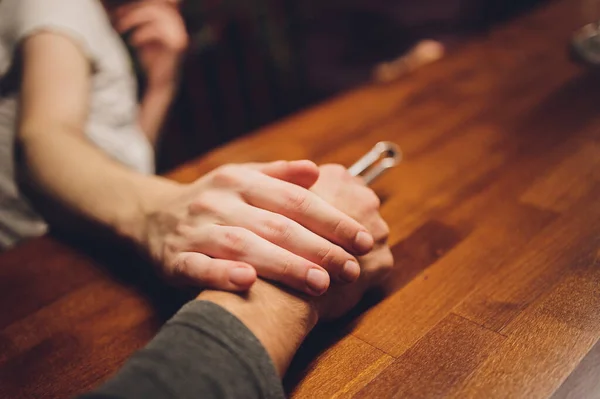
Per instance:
x=280, y=320
x=149, y=193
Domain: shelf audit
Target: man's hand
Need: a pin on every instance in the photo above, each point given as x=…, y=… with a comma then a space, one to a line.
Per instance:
x=350, y=195
x=281, y=319
x=211, y=233
x=159, y=36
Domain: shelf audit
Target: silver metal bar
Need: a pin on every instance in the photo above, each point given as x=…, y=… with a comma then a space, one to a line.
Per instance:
x=383, y=155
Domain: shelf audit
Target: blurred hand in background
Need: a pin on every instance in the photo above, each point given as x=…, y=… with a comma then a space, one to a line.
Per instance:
x=157, y=32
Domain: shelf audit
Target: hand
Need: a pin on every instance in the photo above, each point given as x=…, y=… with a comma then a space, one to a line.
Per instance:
x=350, y=195
x=211, y=233
x=158, y=35
x=281, y=319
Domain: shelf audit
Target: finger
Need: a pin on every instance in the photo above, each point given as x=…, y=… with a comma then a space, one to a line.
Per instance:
x=380, y=231
x=292, y=236
x=269, y=260
x=309, y=210
x=302, y=173
x=128, y=20
x=377, y=266
x=144, y=35
x=201, y=270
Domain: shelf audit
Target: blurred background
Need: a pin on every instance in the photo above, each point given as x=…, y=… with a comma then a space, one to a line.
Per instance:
x=254, y=61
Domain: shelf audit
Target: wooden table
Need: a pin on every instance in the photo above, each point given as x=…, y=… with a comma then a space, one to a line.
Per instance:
x=495, y=220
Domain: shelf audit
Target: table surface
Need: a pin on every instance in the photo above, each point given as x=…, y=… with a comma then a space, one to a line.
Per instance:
x=495, y=228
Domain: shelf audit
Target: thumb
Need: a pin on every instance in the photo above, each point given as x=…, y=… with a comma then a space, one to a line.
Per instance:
x=303, y=173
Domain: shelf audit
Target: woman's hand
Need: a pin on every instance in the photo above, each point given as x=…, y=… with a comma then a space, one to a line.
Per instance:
x=159, y=36
x=216, y=231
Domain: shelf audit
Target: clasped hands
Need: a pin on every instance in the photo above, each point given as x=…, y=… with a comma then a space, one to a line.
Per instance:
x=290, y=222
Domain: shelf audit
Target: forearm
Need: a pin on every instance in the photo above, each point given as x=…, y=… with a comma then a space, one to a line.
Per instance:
x=154, y=108
x=64, y=166
x=203, y=351
x=279, y=319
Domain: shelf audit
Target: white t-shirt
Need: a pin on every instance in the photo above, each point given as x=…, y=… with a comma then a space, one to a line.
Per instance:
x=112, y=120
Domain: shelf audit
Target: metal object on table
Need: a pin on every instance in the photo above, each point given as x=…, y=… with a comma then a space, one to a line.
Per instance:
x=383, y=155
x=585, y=44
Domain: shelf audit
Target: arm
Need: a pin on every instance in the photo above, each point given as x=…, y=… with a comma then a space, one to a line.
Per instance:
x=63, y=164
x=221, y=346
x=219, y=355
x=53, y=111
x=279, y=319
x=208, y=233
x=154, y=108
x=240, y=348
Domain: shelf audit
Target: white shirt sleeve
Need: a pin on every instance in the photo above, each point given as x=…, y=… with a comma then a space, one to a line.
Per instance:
x=83, y=21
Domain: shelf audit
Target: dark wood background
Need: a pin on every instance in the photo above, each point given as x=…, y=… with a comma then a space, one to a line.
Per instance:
x=495, y=227
x=252, y=62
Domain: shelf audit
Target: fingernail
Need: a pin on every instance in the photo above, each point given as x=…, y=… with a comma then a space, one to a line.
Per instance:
x=317, y=280
x=350, y=272
x=242, y=276
x=363, y=242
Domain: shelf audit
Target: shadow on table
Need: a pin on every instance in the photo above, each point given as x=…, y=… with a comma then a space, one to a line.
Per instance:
x=131, y=269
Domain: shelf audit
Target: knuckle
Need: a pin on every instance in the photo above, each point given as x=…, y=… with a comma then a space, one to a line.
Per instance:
x=234, y=242
x=385, y=229
x=287, y=266
x=382, y=266
x=185, y=236
x=382, y=232
x=227, y=176
x=297, y=201
x=329, y=256
x=343, y=229
x=180, y=267
x=173, y=244
x=387, y=261
x=203, y=203
x=279, y=227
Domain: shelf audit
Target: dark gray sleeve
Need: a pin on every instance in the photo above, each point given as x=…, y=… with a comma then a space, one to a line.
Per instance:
x=202, y=352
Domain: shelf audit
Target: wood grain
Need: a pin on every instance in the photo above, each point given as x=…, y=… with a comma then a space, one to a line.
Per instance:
x=452, y=350
x=503, y=295
x=541, y=341
x=495, y=229
x=342, y=370
x=583, y=381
